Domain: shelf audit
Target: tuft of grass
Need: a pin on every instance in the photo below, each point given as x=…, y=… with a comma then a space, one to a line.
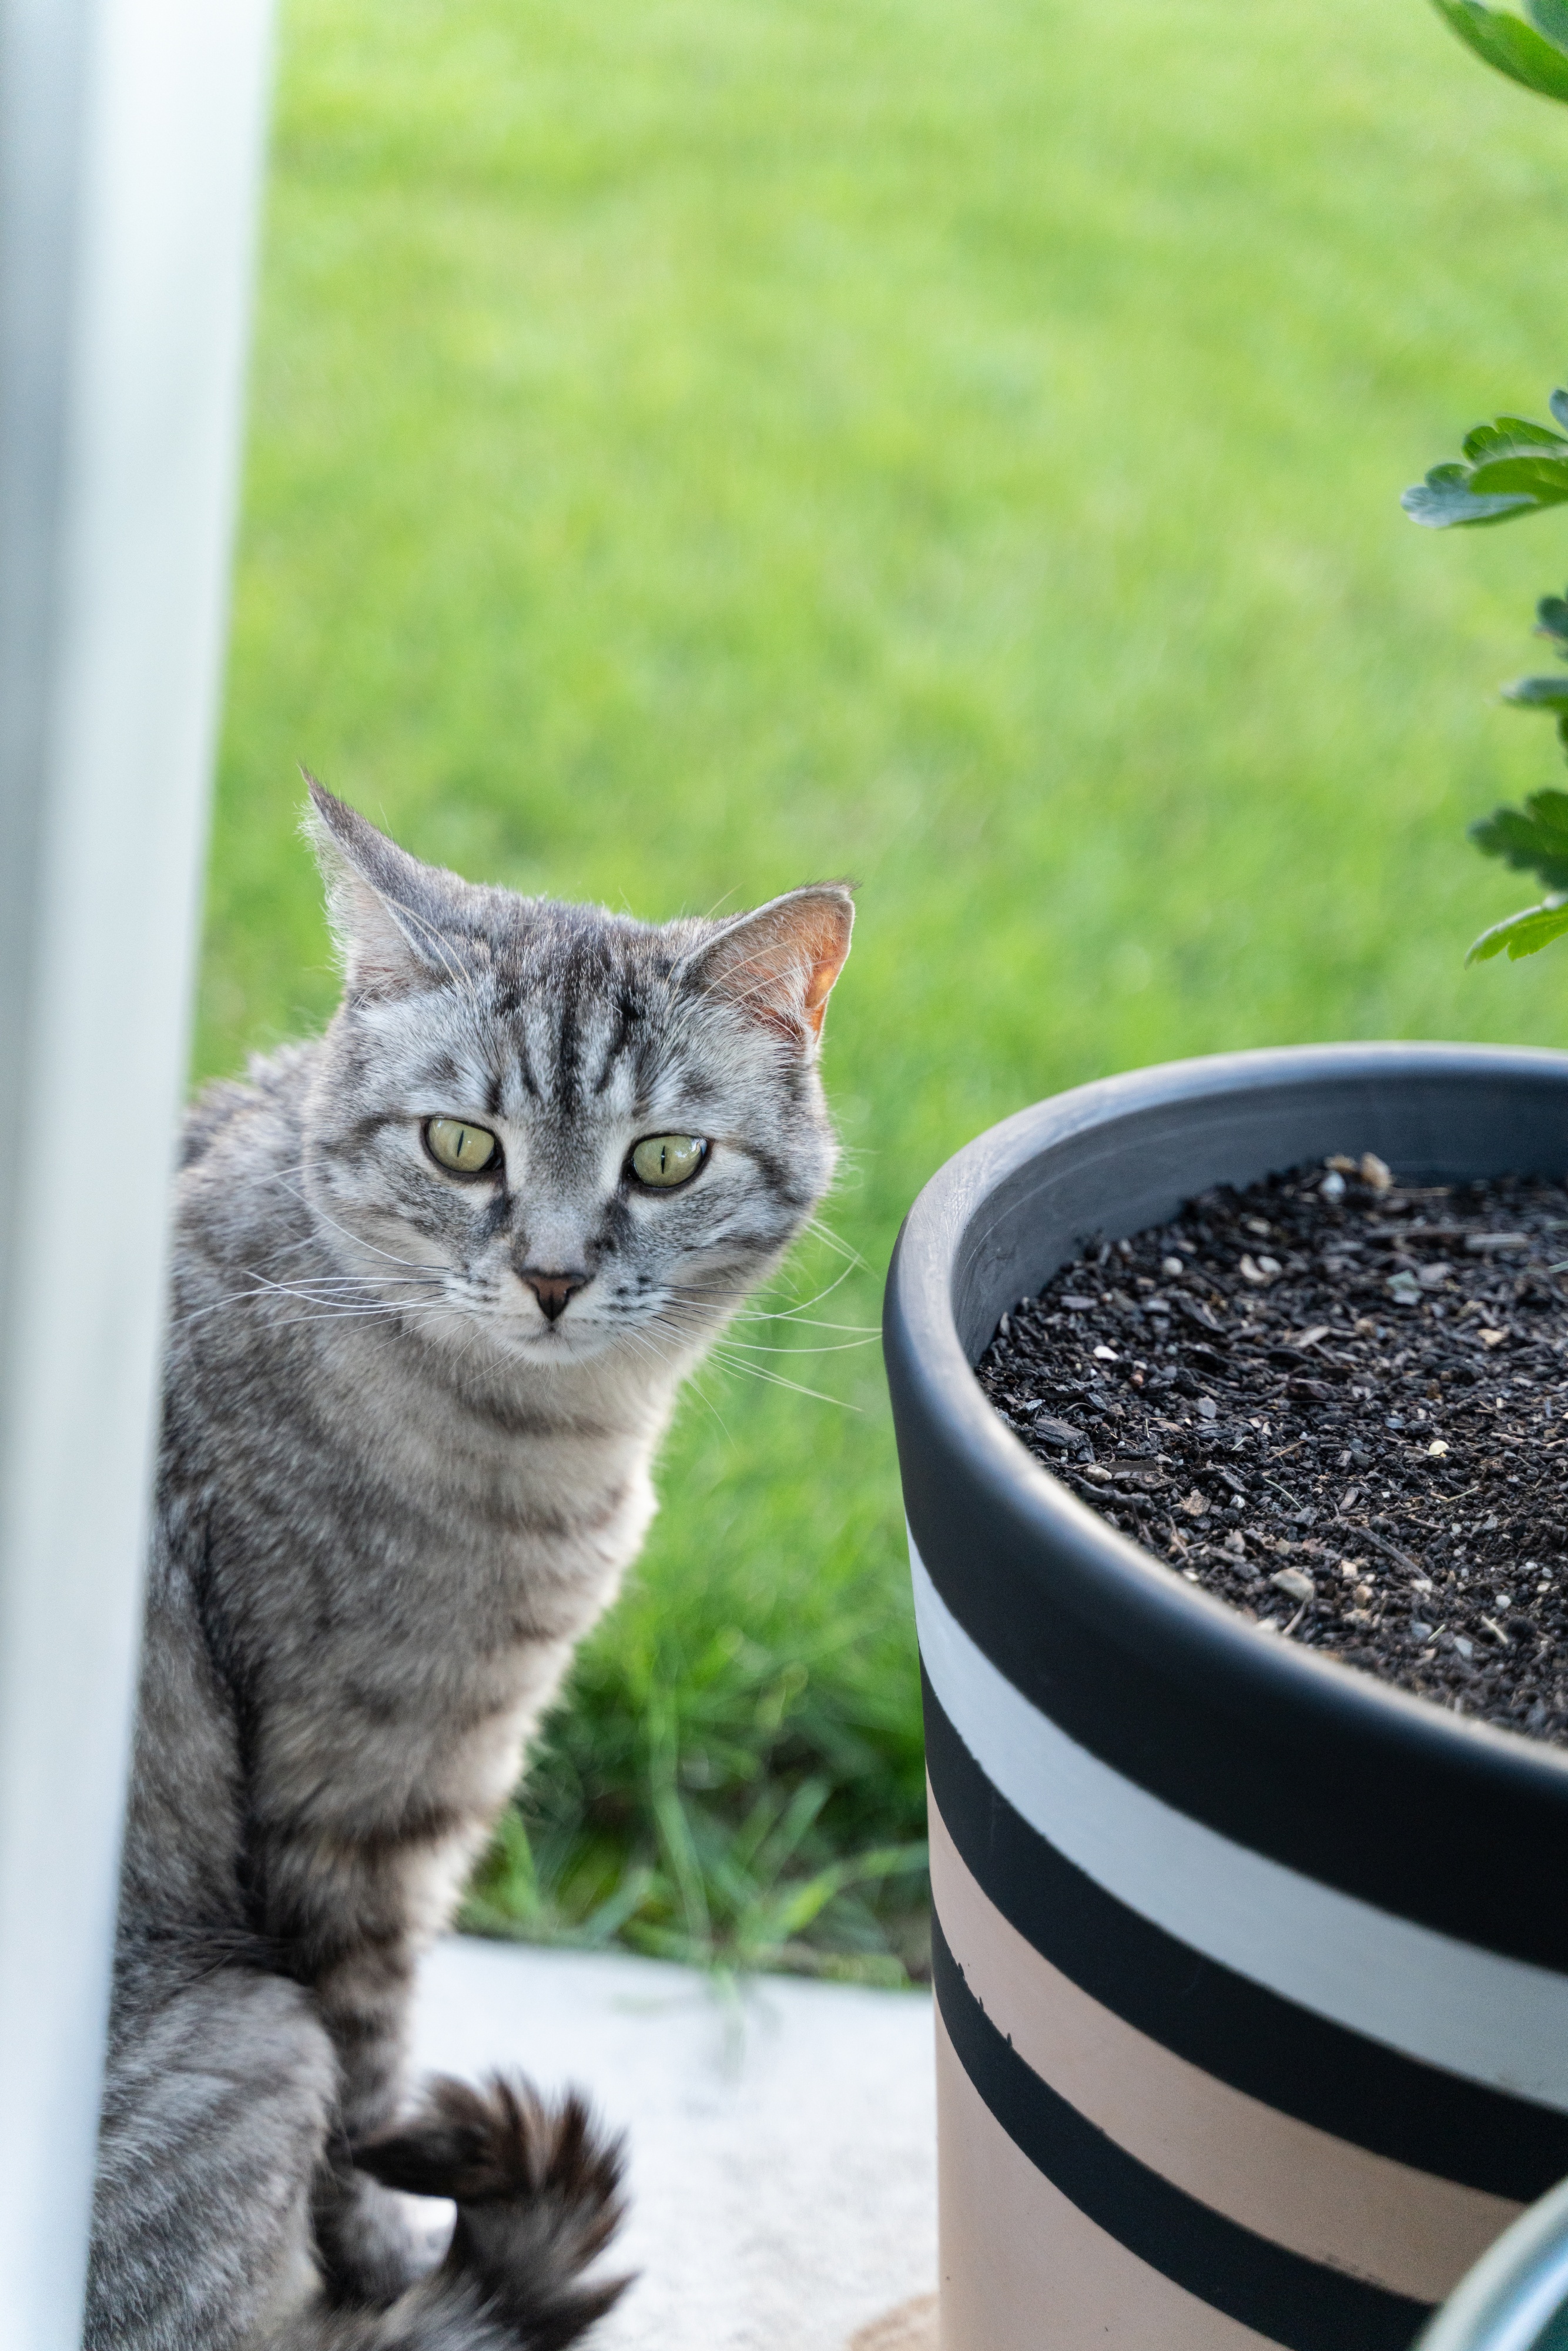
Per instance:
x=705, y=447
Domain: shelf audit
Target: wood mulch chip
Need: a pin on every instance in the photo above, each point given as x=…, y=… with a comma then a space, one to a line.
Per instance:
x=1340, y=1404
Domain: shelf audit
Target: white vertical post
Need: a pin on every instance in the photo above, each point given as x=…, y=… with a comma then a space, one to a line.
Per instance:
x=131, y=146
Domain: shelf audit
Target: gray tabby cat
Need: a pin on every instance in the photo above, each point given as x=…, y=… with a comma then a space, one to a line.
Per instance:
x=437, y=1279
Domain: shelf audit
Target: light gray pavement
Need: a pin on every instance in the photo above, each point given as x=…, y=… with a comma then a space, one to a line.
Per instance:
x=782, y=2138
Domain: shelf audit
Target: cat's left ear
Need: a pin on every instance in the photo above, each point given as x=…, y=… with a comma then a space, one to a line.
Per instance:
x=779, y=963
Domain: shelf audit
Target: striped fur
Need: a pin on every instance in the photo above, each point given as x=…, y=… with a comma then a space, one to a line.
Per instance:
x=394, y=1493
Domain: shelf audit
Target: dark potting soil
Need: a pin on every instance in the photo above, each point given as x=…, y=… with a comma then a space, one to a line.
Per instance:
x=1340, y=1404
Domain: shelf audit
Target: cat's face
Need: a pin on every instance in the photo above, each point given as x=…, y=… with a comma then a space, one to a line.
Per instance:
x=552, y=1131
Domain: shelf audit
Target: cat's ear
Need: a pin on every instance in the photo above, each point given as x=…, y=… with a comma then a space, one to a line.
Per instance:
x=383, y=906
x=779, y=963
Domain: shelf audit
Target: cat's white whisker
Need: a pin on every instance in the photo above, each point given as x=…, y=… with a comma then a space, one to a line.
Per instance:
x=349, y=1281
x=839, y=1347
x=360, y=1242
x=794, y=1313
x=778, y=1380
x=826, y=1234
x=342, y=1295
x=814, y=1322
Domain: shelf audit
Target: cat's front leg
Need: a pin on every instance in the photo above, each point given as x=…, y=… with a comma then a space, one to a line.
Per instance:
x=369, y=2249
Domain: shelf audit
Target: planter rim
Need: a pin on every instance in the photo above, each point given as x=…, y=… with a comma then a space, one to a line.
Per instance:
x=928, y=1361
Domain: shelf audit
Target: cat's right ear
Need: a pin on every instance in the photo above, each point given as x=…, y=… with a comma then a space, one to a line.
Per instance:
x=382, y=904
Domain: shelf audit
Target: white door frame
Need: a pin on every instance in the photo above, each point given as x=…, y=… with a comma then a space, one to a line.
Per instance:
x=131, y=134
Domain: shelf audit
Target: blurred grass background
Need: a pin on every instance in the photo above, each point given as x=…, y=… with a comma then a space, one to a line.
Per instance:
x=700, y=448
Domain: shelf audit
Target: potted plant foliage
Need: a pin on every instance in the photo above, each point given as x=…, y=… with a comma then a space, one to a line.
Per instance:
x=1508, y=467
x=1252, y=1959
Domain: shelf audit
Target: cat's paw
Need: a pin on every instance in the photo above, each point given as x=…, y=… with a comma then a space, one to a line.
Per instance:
x=538, y=2191
x=367, y=2247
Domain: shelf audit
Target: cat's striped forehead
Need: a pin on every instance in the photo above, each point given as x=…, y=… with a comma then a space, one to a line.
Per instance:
x=585, y=1020
x=624, y=1055
x=588, y=1014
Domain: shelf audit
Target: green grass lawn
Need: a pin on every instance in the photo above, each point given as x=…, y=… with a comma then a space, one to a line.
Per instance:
x=704, y=447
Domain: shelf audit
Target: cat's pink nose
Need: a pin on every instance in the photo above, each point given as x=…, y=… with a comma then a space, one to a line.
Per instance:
x=553, y=1289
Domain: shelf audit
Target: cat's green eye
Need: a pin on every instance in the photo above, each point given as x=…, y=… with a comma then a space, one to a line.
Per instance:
x=666, y=1160
x=466, y=1150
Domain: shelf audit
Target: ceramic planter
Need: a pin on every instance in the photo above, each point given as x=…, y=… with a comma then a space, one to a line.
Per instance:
x=1252, y=1971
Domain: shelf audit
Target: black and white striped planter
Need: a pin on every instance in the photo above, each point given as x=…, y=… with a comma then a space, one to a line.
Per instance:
x=1252, y=1971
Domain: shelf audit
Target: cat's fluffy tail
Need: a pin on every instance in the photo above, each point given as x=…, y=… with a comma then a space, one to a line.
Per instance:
x=537, y=2192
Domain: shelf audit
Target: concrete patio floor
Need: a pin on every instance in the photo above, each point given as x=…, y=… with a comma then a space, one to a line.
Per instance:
x=782, y=2138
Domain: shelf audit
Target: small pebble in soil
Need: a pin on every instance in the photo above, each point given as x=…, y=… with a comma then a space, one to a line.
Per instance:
x=1340, y=1403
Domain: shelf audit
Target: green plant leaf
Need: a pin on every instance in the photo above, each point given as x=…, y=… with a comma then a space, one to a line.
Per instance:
x=1514, y=47
x=1551, y=618
x=1550, y=17
x=1533, y=474
x=1538, y=693
x=1526, y=933
x=1510, y=466
x=1445, y=502
x=1508, y=436
x=1532, y=839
